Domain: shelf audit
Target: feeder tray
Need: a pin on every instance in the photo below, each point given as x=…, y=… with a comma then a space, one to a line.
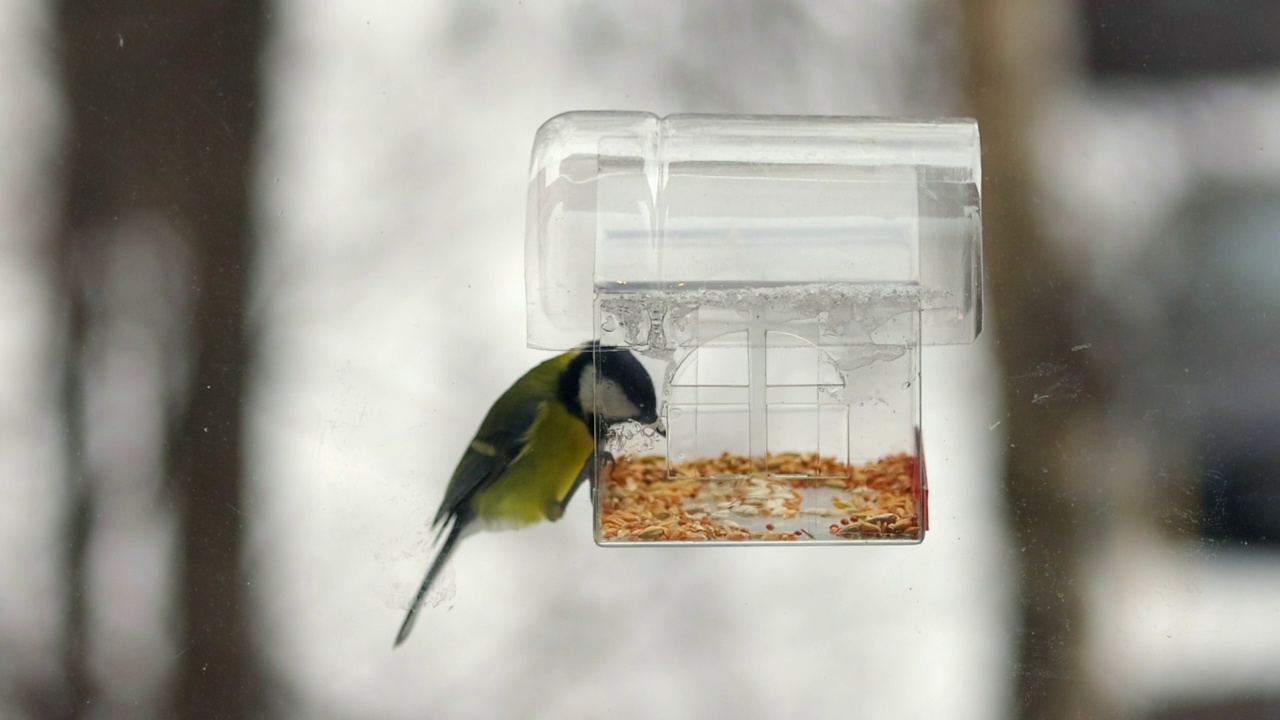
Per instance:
x=777, y=276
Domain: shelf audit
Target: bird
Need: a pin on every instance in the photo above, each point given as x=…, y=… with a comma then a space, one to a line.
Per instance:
x=535, y=447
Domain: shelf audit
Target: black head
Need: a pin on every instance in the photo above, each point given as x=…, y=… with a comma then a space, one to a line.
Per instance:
x=610, y=383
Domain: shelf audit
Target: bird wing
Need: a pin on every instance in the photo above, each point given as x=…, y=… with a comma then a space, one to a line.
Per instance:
x=489, y=454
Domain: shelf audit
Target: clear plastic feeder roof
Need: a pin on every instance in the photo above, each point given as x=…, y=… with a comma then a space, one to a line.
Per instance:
x=777, y=276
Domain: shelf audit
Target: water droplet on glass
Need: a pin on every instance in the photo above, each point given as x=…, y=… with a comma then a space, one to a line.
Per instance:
x=609, y=324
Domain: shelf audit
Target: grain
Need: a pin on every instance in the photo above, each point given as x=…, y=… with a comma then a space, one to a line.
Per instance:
x=777, y=498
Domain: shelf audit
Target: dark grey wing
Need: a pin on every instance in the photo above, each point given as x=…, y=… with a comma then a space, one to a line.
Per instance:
x=486, y=458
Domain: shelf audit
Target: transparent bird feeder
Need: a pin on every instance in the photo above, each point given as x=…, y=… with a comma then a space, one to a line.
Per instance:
x=777, y=276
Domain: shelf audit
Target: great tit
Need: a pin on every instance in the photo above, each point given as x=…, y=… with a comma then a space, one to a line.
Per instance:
x=535, y=447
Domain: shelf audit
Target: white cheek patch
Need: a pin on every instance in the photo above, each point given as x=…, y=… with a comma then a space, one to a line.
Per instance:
x=614, y=403
x=606, y=398
x=587, y=389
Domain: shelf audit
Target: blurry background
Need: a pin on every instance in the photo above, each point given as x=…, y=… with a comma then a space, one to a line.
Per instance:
x=261, y=271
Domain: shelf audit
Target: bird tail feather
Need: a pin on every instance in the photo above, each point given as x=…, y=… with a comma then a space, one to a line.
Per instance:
x=446, y=549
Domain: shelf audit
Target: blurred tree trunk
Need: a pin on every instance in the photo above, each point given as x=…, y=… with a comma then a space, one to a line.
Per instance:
x=163, y=106
x=1052, y=402
x=72, y=287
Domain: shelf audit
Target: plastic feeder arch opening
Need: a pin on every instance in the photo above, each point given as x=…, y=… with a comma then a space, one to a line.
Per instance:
x=777, y=276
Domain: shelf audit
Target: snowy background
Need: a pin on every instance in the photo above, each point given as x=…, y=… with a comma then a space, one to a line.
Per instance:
x=394, y=303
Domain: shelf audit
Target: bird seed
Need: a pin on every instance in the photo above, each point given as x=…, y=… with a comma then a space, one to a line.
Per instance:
x=785, y=497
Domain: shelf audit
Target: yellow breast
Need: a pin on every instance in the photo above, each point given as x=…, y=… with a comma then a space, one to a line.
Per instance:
x=557, y=447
